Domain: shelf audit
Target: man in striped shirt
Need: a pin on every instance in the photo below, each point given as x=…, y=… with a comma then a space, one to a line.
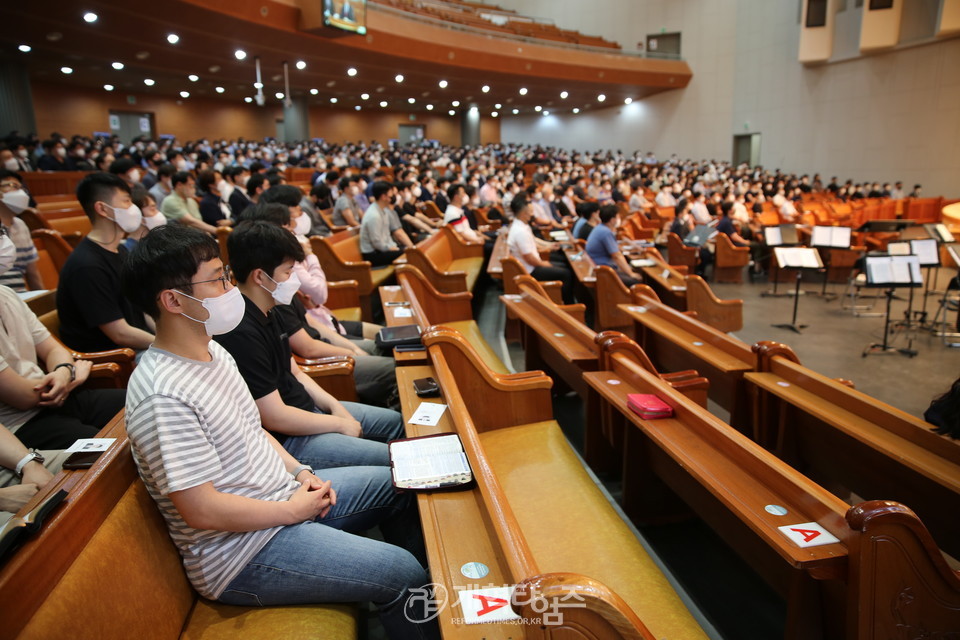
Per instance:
x=253, y=525
x=13, y=200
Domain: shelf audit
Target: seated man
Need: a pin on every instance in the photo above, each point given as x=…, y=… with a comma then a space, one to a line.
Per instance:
x=311, y=424
x=180, y=206
x=253, y=525
x=94, y=314
x=603, y=249
x=23, y=473
x=215, y=204
x=524, y=247
x=23, y=271
x=454, y=216
x=589, y=213
x=380, y=230
x=346, y=211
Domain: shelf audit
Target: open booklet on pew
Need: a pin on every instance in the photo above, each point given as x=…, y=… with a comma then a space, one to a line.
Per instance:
x=19, y=528
x=430, y=462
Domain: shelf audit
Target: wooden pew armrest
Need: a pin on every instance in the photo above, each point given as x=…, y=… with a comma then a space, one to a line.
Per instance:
x=576, y=311
x=124, y=360
x=334, y=374
x=343, y=294
x=554, y=290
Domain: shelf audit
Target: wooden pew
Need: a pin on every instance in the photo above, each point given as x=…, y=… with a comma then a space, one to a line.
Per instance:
x=675, y=341
x=846, y=439
x=104, y=565
x=449, y=263
x=46, y=183
x=668, y=281
x=531, y=500
x=340, y=257
x=610, y=292
x=54, y=251
x=723, y=315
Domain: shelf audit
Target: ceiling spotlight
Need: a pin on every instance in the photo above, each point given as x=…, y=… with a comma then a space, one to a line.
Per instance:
x=240, y=54
x=248, y=99
x=214, y=68
x=66, y=70
x=149, y=82
x=485, y=88
x=90, y=17
x=184, y=94
x=494, y=114
x=25, y=48
x=497, y=106
x=219, y=89
x=523, y=91
x=173, y=38
x=108, y=87
x=117, y=65
x=429, y=107
x=546, y=113
x=538, y=108
x=452, y=112
x=142, y=55
x=563, y=95
x=411, y=100
x=399, y=77
x=314, y=92
x=351, y=72
x=333, y=101
x=279, y=95
x=301, y=65
x=357, y=108
x=383, y=103
x=516, y=111
x=627, y=100
x=601, y=98
x=443, y=84
x=193, y=77
x=455, y=103
x=576, y=109
x=364, y=96
x=258, y=85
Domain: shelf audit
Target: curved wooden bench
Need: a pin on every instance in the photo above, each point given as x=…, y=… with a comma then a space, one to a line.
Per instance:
x=723, y=315
x=449, y=263
x=339, y=255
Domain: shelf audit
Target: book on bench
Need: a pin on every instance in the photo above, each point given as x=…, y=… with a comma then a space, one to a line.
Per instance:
x=19, y=528
x=648, y=406
x=430, y=462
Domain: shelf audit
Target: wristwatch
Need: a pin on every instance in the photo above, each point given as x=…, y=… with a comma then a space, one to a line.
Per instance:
x=27, y=459
x=73, y=369
x=297, y=471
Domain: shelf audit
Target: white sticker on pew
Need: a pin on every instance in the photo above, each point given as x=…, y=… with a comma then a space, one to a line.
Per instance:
x=512, y=297
x=87, y=445
x=475, y=570
x=808, y=534
x=639, y=309
x=391, y=287
x=558, y=335
x=612, y=381
x=403, y=312
x=697, y=344
x=775, y=510
x=487, y=605
x=783, y=384
x=428, y=414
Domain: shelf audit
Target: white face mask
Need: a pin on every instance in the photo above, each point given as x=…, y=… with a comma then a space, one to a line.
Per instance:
x=128, y=219
x=134, y=176
x=62, y=152
x=152, y=222
x=22, y=153
x=284, y=291
x=11, y=164
x=8, y=253
x=302, y=225
x=224, y=312
x=17, y=200
x=225, y=189
x=417, y=191
x=181, y=165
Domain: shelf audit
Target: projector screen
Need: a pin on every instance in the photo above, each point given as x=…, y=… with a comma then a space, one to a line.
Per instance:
x=349, y=15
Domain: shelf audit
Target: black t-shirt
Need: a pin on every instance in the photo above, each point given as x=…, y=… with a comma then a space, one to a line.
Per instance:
x=261, y=348
x=89, y=296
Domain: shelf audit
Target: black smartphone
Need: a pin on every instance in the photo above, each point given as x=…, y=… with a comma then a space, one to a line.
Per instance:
x=81, y=459
x=426, y=387
x=410, y=347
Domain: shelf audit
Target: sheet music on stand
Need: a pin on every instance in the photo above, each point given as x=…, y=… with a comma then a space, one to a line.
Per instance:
x=954, y=251
x=940, y=232
x=893, y=271
x=927, y=251
x=899, y=249
x=797, y=258
x=781, y=235
x=832, y=237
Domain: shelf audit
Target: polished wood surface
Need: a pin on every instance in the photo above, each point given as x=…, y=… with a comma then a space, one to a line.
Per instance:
x=729, y=260
x=449, y=263
x=722, y=315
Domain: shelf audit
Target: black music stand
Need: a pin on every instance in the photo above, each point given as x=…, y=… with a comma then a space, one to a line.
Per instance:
x=781, y=235
x=885, y=226
x=802, y=259
x=890, y=273
x=826, y=238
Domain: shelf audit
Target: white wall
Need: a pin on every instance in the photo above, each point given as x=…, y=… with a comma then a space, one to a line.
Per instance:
x=891, y=116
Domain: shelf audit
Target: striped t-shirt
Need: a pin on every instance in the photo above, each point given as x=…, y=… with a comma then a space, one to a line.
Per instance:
x=15, y=276
x=193, y=422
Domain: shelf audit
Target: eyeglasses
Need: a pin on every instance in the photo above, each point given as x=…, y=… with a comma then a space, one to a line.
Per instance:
x=225, y=279
x=10, y=186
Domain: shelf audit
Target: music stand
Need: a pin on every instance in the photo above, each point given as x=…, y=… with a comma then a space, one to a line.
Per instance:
x=781, y=235
x=829, y=238
x=801, y=259
x=889, y=273
x=700, y=235
x=885, y=226
x=928, y=252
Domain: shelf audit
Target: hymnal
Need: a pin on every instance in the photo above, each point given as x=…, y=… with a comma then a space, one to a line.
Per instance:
x=429, y=462
x=18, y=528
x=648, y=406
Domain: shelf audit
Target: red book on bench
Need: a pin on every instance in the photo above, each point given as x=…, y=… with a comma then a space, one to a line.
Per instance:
x=648, y=406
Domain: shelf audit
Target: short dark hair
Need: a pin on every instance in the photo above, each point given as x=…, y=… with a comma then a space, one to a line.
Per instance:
x=6, y=173
x=586, y=209
x=320, y=191
x=258, y=244
x=608, y=212
x=517, y=204
x=453, y=189
x=121, y=166
x=345, y=182
x=285, y=194
x=255, y=182
x=206, y=179
x=380, y=188
x=181, y=177
x=98, y=187
x=165, y=258
x=274, y=212
x=166, y=170
x=331, y=176
x=273, y=179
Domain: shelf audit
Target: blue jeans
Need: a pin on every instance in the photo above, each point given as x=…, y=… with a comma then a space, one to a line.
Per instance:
x=326, y=450
x=325, y=561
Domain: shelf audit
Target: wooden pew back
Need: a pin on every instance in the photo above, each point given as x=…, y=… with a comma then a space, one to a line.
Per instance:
x=723, y=315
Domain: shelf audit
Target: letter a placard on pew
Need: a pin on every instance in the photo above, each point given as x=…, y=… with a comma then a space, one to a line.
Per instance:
x=808, y=534
x=487, y=605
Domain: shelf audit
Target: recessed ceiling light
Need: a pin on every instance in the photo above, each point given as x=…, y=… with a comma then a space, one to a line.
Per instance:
x=90, y=17
x=576, y=109
x=193, y=77
x=485, y=88
x=54, y=36
x=455, y=103
x=258, y=85
x=601, y=98
x=516, y=111
x=240, y=54
x=66, y=70
x=331, y=83
x=184, y=94
x=563, y=95
x=357, y=108
x=538, y=108
x=383, y=103
x=333, y=100
x=248, y=99
x=399, y=77
x=351, y=72
x=494, y=114
x=411, y=100
x=279, y=95
x=149, y=82
x=497, y=106
x=25, y=48
x=443, y=84
x=627, y=100
x=214, y=68
x=219, y=89
x=364, y=96
x=142, y=55
x=314, y=92
x=523, y=91
x=429, y=107
x=452, y=112
x=173, y=38
x=301, y=65
x=546, y=113
x=117, y=65
x=108, y=87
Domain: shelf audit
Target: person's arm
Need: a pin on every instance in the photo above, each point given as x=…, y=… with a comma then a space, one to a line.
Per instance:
x=623, y=265
x=197, y=223
x=330, y=335
x=313, y=281
x=35, y=475
x=278, y=416
x=306, y=347
x=323, y=400
x=348, y=216
x=402, y=239
x=33, y=277
x=122, y=334
x=419, y=224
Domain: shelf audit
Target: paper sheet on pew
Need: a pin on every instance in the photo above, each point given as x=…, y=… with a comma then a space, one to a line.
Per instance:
x=487, y=605
x=808, y=534
x=403, y=312
x=428, y=414
x=88, y=445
